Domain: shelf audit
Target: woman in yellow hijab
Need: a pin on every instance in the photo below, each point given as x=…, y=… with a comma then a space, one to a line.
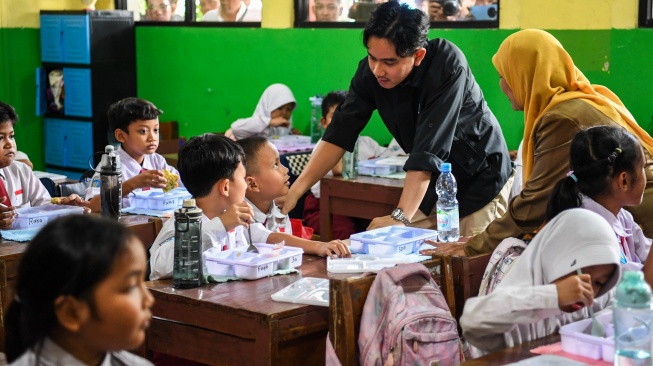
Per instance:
x=539, y=77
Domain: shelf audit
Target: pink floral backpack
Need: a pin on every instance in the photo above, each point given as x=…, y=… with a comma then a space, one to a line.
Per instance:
x=406, y=321
x=503, y=257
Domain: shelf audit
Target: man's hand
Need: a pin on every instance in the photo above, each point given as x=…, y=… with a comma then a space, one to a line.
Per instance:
x=457, y=248
x=286, y=203
x=384, y=221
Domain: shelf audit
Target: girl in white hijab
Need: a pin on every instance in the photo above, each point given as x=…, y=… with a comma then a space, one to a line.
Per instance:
x=272, y=116
x=543, y=291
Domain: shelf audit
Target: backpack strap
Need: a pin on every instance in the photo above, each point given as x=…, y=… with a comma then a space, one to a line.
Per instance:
x=399, y=272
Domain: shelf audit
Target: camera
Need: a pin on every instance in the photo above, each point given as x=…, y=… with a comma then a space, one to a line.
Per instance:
x=484, y=12
x=449, y=7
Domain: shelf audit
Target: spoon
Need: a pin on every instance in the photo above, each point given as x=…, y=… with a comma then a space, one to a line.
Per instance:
x=251, y=248
x=598, y=330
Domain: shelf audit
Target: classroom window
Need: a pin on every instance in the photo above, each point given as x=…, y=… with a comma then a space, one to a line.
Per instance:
x=216, y=12
x=646, y=13
x=354, y=13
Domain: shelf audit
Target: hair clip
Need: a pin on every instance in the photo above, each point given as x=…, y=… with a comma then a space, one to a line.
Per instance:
x=614, y=155
x=572, y=176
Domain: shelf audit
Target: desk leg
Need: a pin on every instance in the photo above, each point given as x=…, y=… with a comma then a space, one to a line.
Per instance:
x=326, y=218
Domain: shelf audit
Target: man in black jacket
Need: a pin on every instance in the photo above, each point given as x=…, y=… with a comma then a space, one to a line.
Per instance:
x=427, y=97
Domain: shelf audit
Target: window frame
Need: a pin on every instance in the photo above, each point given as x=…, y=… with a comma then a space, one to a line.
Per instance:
x=189, y=19
x=302, y=9
x=645, y=16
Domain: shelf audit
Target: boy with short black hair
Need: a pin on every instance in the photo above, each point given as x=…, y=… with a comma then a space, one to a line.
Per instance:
x=267, y=179
x=135, y=123
x=214, y=171
x=19, y=187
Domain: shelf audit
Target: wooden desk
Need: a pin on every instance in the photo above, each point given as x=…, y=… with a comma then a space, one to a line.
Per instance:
x=514, y=354
x=237, y=322
x=364, y=197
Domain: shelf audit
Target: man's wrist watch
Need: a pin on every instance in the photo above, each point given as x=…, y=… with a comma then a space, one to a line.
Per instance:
x=398, y=214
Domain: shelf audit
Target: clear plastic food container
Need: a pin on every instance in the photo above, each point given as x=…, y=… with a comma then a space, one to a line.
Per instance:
x=157, y=200
x=29, y=217
x=360, y=263
x=306, y=290
x=251, y=266
x=390, y=240
x=577, y=338
x=370, y=167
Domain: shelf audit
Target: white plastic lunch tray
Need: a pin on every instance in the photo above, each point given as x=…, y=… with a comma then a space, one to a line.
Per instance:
x=547, y=360
x=157, y=200
x=370, y=167
x=576, y=338
x=29, y=217
x=251, y=266
x=306, y=290
x=360, y=263
x=390, y=240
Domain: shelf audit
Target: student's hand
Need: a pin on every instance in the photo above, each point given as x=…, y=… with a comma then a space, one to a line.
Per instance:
x=384, y=221
x=457, y=249
x=279, y=122
x=575, y=291
x=230, y=134
x=237, y=214
x=334, y=247
x=75, y=200
x=7, y=214
x=149, y=178
x=295, y=131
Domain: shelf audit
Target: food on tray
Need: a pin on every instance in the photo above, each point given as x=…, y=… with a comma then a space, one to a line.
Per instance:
x=171, y=180
x=55, y=200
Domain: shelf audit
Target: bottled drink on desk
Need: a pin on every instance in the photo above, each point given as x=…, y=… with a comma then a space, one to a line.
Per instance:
x=350, y=163
x=447, y=205
x=110, y=184
x=187, y=270
x=632, y=320
x=316, y=112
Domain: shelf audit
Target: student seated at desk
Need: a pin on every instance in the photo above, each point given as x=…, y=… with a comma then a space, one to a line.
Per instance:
x=543, y=291
x=80, y=296
x=135, y=123
x=343, y=226
x=19, y=187
x=272, y=115
x=214, y=171
x=267, y=179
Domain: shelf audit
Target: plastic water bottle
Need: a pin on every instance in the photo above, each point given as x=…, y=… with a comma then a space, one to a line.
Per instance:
x=187, y=270
x=316, y=126
x=110, y=184
x=633, y=320
x=447, y=205
x=350, y=163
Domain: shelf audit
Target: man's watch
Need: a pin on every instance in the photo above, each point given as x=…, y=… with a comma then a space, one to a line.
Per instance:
x=398, y=214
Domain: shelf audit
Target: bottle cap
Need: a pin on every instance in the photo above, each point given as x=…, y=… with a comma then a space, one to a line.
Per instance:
x=189, y=209
x=445, y=167
x=110, y=163
x=633, y=291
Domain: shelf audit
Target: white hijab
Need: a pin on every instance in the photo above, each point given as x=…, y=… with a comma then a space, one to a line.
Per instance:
x=574, y=239
x=275, y=96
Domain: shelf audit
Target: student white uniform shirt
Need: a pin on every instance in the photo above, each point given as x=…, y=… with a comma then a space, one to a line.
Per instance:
x=51, y=354
x=368, y=148
x=131, y=168
x=275, y=96
x=23, y=187
x=630, y=238
x=214, y=235
x=524, y=306
x=272, y=220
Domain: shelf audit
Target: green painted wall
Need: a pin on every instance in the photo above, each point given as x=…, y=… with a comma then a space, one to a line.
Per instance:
x=19, y=58
x=205, y=78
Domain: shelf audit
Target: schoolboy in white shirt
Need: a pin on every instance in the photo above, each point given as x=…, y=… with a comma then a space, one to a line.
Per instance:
x=19, y=187
x=135, y=123
x=213, y=170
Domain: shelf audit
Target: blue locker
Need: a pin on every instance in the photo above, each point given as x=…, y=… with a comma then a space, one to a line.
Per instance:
x=80, y=144
x=55, y=141
x=41, y=87
x=76, y=39
x=78, y=92
x=51, y=38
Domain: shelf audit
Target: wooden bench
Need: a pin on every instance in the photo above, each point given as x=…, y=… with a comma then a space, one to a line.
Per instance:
x=459, y=278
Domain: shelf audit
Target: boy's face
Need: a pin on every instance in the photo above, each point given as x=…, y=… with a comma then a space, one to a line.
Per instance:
x=326, y=120
x=270, y=175
x=141, y=138
x=327, y=10
x=238, y=186
x=8, y=144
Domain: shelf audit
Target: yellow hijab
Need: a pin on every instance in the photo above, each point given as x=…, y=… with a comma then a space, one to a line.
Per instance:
x=541, y=74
